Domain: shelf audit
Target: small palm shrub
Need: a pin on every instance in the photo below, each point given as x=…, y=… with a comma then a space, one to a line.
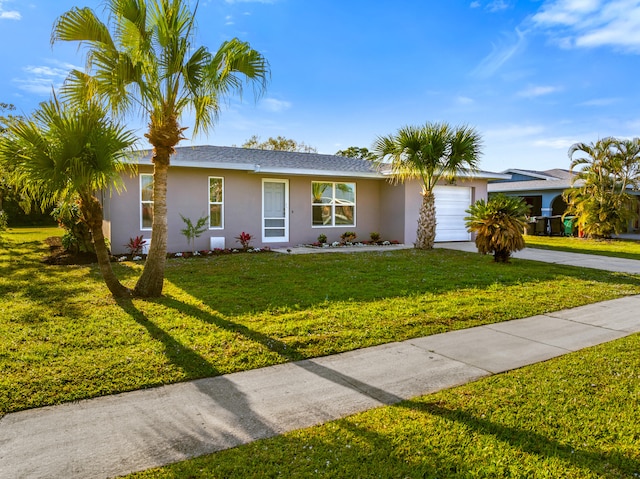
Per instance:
x=348, y=236
x=498, y=224
x=193, y=231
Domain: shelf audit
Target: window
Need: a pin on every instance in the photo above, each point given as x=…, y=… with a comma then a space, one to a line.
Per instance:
x=333, y=204
x=216, y=190
x=146, y=201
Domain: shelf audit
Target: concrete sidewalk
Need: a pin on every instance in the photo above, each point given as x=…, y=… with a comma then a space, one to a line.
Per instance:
x=116, y=435
x=605, y=263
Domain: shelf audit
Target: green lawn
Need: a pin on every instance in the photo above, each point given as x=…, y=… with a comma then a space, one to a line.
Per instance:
x=63, y=338
x=570, y=417
x=616, y=248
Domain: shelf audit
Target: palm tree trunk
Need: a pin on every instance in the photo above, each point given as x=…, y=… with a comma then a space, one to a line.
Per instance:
x=426, y=234
x=92, y=212
x=151, y=281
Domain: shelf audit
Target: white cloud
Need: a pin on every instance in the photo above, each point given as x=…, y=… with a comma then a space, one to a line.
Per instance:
x=592, y=23
x=474, y=5
x=498, y=5
x=41, y=79
x=536, y=91
x=271, y=104
x=464, y=100
x=500, y=55
x=8, y=14
x=600, y=102
x=559, y=143
x=514, y=131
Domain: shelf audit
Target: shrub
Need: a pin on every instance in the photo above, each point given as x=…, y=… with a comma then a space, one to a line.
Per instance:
x=245, y=240
x=322, y=238
x=191, y=231
x=348, y=236
x=375, y=237
x=77, y=237
x=498, y=224
x=135, y=245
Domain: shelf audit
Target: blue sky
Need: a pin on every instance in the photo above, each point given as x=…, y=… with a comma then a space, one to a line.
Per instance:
x=532, y=76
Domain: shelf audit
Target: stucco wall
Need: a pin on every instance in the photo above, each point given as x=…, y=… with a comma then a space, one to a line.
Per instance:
x=187, y=194
x=391, y=210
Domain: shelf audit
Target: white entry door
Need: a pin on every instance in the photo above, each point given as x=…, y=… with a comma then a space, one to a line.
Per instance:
x=451, y=203
x=275, y=209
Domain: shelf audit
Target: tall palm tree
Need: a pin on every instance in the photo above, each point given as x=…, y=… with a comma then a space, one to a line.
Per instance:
x=67, y=155
x=144, y=60
x=601, y=202
x=429, y=153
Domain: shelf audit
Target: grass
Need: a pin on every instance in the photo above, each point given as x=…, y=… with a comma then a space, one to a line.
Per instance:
x=616, y=248
x=63, y=338
x=570, y=417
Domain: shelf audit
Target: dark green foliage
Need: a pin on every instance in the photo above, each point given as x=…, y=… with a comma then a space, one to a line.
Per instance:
x=600, y=198
x=499, y=225
x=77, y=234
x=192, y=231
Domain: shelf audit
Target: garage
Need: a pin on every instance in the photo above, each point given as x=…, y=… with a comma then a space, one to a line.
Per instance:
x=451, y=205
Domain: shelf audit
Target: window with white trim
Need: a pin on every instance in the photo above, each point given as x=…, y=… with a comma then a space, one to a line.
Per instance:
x=216, y=202
x=146, y=201
x=333, y=203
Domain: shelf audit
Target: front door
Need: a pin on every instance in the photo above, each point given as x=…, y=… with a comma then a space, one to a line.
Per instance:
x=275, y=207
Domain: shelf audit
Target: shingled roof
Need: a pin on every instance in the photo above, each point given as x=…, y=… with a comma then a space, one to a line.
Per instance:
x=554, y=179
x=267, y=161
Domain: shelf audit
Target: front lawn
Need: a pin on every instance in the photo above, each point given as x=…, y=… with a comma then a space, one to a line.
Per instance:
x=574, y=417
x=615, y=247
x=63, y=338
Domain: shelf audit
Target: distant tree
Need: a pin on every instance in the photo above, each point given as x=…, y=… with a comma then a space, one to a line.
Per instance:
x=64, y=155
x=429, y=153
x=609, y=169
x=5, y=189
x=279, y=143
x=357, y=152
x=499, y=225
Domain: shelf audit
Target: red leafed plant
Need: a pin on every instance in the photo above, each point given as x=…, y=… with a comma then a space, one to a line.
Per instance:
x=135, y=245
x=244, y=239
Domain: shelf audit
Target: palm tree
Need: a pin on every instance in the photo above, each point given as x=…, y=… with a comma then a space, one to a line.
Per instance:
x=499, y=224
x=601, y=202
x=144, y=60
x=430, y=153
x=66, y=155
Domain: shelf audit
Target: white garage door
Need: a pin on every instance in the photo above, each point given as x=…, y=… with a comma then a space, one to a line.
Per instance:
x=451, y=203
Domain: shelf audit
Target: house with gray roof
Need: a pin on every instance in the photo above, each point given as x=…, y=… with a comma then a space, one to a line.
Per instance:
x=282, y=199
x=542, y=190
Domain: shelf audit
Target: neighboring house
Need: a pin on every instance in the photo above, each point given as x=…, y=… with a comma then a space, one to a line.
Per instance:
x=282, y=199
x=540, y=189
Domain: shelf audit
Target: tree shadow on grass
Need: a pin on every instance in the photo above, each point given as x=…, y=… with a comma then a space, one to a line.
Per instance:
x=282, y=349
x=609, y=464
x=234, y=285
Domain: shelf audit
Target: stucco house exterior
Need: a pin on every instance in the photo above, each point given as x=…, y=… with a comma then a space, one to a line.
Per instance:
x=281, y=199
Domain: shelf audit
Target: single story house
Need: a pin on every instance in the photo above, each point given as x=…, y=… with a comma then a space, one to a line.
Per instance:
x=542, y=190
x=281, y=199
